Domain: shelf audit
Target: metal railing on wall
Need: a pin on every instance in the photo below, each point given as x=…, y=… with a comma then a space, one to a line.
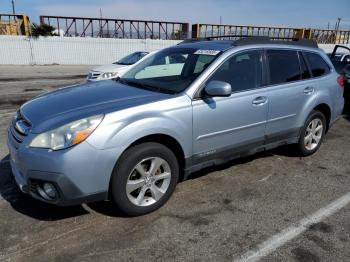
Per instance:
x=117, y=28
x=141, y=29
x=322, y=36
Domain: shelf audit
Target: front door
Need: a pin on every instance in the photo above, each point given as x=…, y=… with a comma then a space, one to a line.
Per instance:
x=230, y=125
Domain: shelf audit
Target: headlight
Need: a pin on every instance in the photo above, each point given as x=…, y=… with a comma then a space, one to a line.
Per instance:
x=67, y=135
x=108, y=75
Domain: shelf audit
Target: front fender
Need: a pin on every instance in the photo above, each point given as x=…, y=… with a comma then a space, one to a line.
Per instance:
x=151, y=126
x=171, y=117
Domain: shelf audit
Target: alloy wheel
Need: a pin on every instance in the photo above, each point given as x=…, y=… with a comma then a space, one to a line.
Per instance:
x=148, y=181
x=313, y=134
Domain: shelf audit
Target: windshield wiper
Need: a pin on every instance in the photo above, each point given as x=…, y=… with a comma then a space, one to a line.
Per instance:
x=145, y=86
x=138, y=84
x=121, y=63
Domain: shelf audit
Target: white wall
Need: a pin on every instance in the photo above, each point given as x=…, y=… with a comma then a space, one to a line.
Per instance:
x=21, y=50
x=328, y=48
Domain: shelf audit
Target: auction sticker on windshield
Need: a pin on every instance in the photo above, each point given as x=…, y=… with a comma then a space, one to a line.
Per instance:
x=206, y=52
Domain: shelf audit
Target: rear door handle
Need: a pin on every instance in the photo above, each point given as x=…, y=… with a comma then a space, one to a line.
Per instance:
x=309, y=90
x=259, y=101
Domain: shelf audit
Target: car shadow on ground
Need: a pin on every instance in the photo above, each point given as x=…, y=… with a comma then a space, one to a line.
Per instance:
x=287, y=150
x=30, y=207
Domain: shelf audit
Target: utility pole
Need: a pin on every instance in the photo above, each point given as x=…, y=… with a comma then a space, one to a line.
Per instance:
x=339, y=19
x=220, y=25
x=101, y=29
x=337, y=24
x=13, y=7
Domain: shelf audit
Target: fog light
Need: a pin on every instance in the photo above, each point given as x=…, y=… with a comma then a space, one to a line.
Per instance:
x=50, y=190
x=47, y=191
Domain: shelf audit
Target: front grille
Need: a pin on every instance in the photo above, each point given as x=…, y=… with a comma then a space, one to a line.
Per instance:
x=19, y=128
x=33, y=187
x=94, y=74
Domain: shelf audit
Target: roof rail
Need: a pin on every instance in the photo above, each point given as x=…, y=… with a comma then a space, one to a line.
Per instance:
x=258, y=40
x=193, y=40
x=267, y=40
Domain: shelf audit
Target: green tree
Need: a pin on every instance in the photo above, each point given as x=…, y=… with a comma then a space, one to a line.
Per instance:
x=42, y=30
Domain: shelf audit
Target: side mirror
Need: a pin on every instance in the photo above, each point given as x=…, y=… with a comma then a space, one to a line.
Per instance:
x=218, y=88
x=347, y=59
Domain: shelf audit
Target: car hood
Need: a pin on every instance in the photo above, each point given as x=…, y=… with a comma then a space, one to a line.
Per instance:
x=110, y=68
x=54, y=109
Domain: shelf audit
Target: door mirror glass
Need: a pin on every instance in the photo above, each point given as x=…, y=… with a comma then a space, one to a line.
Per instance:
x=218, y=88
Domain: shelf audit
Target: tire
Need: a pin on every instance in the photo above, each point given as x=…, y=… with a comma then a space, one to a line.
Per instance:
x=138, y=186
x=309, y=146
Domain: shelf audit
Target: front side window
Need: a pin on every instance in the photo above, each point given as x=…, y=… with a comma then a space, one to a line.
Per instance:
x=242, y=71
x=283, y=66
x=171, y=70
x=317, y=64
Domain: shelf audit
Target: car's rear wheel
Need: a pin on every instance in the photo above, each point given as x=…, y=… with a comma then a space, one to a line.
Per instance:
x=312, y=133
x=144, y=178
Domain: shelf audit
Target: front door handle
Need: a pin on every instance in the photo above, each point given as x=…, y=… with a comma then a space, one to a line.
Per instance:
x=309, y=90
x=259, y=101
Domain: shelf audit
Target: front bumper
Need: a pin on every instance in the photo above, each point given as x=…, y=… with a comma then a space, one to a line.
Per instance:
x=95, y=76
x=80, y=174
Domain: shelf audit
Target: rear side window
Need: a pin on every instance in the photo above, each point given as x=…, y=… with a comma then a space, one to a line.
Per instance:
x=317, y=64
x=284, y=66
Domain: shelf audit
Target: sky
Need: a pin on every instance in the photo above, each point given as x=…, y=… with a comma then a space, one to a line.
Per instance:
x=292, y=13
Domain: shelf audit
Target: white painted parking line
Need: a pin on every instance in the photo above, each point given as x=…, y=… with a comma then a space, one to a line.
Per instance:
x=278, y=240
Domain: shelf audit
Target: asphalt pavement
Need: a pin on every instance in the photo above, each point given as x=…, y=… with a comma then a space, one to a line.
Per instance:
x=274, y=206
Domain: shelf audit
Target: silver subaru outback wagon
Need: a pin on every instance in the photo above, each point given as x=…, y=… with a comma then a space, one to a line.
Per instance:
x=183, y=108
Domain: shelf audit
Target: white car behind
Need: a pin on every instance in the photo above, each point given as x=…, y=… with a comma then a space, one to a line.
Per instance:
x=105, y=72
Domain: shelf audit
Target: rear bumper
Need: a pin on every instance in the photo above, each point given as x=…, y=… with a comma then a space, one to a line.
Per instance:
x=338, y=110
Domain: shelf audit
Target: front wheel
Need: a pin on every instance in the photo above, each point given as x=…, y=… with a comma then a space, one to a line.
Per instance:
x=312, y=133
x=144, y=178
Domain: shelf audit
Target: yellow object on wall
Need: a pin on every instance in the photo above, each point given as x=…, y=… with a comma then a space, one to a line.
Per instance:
x=14, y=24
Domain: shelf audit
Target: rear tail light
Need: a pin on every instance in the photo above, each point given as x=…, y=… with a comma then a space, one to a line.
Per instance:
x=341, y=80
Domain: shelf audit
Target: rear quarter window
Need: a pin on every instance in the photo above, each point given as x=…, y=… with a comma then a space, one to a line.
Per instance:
x=318, y=66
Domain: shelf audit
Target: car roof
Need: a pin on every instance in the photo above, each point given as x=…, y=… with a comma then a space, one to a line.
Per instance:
x=223, y=45
x=219, y=45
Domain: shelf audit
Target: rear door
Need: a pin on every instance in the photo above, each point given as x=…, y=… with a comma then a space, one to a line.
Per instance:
x=290, y=89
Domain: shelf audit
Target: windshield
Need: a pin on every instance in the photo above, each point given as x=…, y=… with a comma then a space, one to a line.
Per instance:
x=131, y=59
x=171, y=70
